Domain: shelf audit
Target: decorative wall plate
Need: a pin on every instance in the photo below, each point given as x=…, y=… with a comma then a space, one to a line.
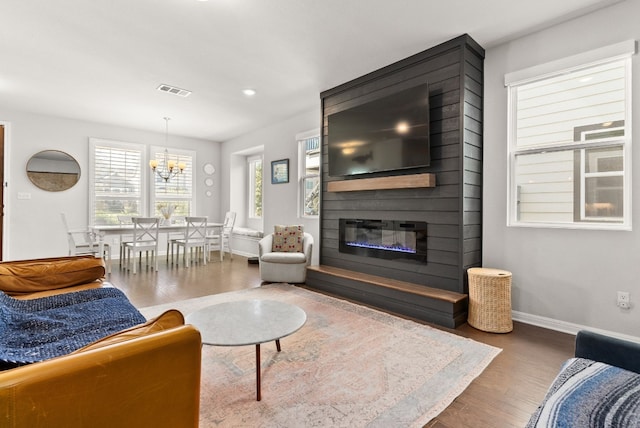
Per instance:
x=209, y=169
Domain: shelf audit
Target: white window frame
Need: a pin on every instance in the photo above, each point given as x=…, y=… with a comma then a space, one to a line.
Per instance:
x=93, y=143
x=619, y=52
x=251, y=186
x=302, y=170
x=172, y=153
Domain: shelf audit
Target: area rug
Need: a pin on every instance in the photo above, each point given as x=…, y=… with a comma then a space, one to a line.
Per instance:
x=348, y=366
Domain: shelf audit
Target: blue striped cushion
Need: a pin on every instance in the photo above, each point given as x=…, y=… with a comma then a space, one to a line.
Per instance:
x=590, y=394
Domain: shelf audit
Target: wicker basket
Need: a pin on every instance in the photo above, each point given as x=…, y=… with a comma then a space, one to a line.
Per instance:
x=490, y=300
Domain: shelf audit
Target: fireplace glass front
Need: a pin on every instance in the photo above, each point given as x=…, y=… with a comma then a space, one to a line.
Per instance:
x=386, y=239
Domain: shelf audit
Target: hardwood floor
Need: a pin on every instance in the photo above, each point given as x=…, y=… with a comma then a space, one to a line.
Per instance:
x=504, y=395
x=172, y=283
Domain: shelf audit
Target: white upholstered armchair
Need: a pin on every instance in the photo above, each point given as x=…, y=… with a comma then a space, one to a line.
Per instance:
x=288, y=267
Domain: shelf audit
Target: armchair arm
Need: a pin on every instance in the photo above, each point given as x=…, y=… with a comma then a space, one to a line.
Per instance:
x=24, y=277
x=265, y=245
x=609, y=350
x=307, y=247
x=152, y=380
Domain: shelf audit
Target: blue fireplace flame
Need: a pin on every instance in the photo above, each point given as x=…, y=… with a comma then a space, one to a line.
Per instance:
x=397, y=248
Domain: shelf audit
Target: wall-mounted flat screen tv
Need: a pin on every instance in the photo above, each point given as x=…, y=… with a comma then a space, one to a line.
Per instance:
x=389, y=133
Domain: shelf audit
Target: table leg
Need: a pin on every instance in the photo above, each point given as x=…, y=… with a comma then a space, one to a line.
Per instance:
x=258, y=387
x=258, y=384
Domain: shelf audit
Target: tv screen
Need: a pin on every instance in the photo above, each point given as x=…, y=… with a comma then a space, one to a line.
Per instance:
x=385, y=134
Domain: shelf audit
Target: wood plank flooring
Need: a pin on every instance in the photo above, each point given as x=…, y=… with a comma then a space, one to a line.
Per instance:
x=173, y=283
x=504, y=395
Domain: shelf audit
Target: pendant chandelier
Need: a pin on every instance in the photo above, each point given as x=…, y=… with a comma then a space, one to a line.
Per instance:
x=166, y=169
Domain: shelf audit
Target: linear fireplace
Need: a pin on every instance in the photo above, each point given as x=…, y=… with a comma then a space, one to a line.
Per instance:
x=386, y=239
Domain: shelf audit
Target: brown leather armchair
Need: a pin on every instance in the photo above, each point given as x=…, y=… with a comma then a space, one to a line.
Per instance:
x=146, y=376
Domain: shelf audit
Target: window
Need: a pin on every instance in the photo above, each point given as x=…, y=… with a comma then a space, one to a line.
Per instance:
x=570, y=147
x=176, y=195
x=255, y=186
x=118, y=174
x=116, y=181
x=309, y=149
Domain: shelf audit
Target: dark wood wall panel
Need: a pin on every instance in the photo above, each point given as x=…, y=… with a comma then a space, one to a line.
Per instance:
x=472, y=159
x=452, y=209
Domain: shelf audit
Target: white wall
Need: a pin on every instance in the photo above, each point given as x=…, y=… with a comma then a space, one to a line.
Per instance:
x=570, y=276
x=280, y=201
x=33, y=227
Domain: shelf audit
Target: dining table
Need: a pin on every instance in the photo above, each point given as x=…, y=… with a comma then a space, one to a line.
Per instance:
x=126, y=229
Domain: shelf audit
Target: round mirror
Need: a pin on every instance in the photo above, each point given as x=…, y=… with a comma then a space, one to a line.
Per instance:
x=208, y=181
x=53, y=170
x=209, y=169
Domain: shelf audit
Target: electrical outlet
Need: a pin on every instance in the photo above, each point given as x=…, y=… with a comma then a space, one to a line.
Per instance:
x=624, y=300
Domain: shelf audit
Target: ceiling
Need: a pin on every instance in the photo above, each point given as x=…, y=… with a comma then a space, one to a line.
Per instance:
x=102, y=60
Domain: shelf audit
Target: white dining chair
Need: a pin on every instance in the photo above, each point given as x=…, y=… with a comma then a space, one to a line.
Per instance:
x=145, y=238
x=220, y=238
x=84, y=241
x=195, y=237
x=173, y=236
x=124, y=238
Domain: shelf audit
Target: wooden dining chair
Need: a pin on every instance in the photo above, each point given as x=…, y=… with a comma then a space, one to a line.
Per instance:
x=173, y=236
x=84, y=241
x=220, y=238
x=124, y=238
x=195, y=237
x=145, y=238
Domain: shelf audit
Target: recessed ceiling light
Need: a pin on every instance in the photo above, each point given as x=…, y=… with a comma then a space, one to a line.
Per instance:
x=249, y=92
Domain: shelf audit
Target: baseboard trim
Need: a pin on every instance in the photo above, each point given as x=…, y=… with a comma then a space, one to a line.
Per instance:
x=244, y=253
x=564, y=326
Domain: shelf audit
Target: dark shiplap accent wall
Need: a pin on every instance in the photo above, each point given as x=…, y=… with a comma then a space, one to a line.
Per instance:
x=453, y=209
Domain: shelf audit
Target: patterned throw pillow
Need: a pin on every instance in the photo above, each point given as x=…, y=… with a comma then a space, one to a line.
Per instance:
x=287, y=239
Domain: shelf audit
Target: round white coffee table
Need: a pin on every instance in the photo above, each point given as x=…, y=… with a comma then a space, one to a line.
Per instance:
x=248, y=322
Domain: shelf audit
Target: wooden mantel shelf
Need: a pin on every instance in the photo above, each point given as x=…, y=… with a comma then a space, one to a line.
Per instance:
x=379, y=183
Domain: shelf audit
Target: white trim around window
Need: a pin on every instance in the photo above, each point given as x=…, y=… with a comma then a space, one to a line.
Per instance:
x=565, y=65
x=569, y=146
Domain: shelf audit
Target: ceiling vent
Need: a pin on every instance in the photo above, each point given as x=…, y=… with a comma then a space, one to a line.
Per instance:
x=173, y=90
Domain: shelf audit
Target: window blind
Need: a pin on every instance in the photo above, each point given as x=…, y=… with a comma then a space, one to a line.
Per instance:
x=181, y=185
x=548, y=111
x=116, y=181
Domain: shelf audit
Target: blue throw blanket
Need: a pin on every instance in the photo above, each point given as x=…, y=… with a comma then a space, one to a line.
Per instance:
x=39, y=329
